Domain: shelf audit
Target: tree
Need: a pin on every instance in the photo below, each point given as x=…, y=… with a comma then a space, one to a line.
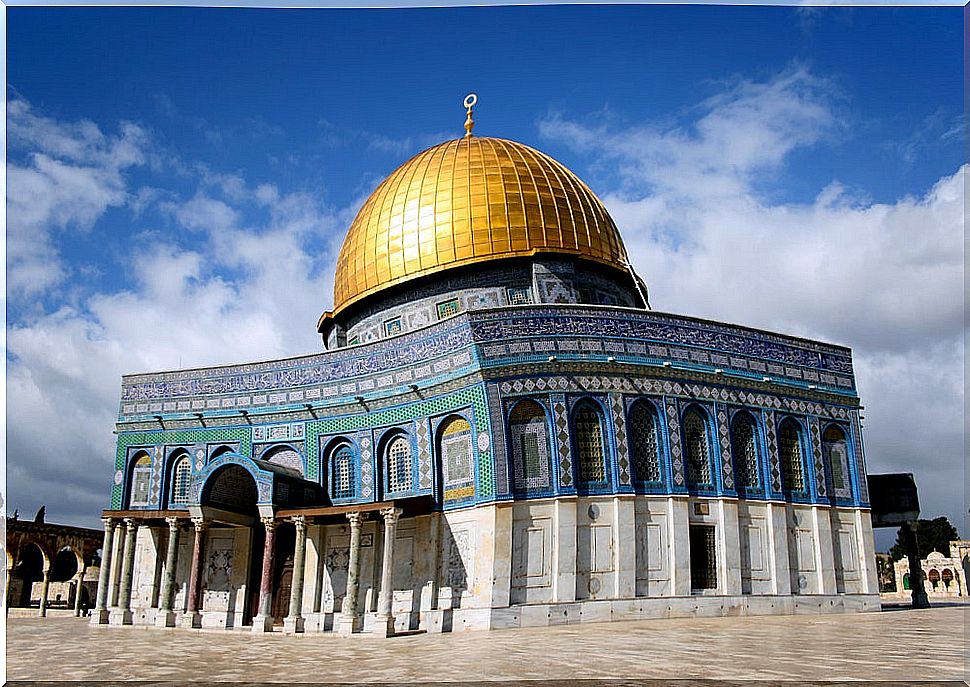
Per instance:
x=933, y=535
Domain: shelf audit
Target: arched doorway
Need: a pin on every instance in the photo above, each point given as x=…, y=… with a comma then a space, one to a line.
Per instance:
x=28, y=570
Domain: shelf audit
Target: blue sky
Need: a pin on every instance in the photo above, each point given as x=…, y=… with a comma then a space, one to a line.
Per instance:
x=180, y=180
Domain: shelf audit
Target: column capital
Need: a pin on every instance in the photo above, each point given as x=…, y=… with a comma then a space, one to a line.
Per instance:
x=356, y=517
x=391, y=515
x=108, y=523
x=200, y=524
x=299, y=521
x=173, y=523
x=132, y=524
x=269, y=522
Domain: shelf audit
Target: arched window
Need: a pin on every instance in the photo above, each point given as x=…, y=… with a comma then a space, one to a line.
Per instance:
x=836, y=452
x=744, y=447
x=644, y=433
x=934, y=578
x=530, y=447
x=181, y=480
x=947, y=577
x=398, y=462
x=457, y=458
x=696, y=448
x=141, y=475
x=790, y=449
x=342, y=481
x=588, y=435
x=286, y=457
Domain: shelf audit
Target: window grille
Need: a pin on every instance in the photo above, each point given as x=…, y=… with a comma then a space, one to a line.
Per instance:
x=519, y=295
x=589, y=444
x=448, y=308
x=703, y=557
x=836, y=452
x=343, y=472
x=182, y=481
x=399, y=465
x=696, y=448
x=790, y=448
x=392, y=327
x=744, y=447
x=643, y=440
x=530, y=447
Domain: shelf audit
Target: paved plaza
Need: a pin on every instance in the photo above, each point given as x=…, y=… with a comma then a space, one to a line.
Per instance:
x=895, y=645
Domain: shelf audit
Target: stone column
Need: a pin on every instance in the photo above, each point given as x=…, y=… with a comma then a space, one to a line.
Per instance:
x=192, y=616
x=44, y=589
x=916, y=583
x=348, y=620
x=166, y=616
x=100, y=614
x=117, y=557
x=122, y=615
x=384, y=623
x=263, y=621
x=77, y=590
x=294, y=621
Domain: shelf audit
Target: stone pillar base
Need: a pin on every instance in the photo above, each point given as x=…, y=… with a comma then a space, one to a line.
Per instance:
x=262, y=623
x=165, y=619
x=292, y=625
x=347, y=625
x=383, y=626
x=190, y=620
x=99, y=616
x=117, y=616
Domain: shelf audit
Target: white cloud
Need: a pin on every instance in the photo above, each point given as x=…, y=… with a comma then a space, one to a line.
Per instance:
x=71, y=174
x=884, y=278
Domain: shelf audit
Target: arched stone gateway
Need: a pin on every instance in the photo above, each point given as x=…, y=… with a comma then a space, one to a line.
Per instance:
x=50, y=565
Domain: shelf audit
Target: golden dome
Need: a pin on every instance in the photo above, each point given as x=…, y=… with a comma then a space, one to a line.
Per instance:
x=466, y=201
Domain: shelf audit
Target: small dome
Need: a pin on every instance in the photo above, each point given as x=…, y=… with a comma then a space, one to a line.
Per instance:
x=466, y=201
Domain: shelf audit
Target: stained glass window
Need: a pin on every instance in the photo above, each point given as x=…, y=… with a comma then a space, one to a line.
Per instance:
x=744, y=448
x=519, y=295
x=790, y=448
x=140, y=477
x=399, y=465
x=643, y=432
x=836, y=452
x=696, y=448
x=530, y=447
x=181, y=480
x=392, y=327
x=342, y=466
x=589, y=444
x=447, y=308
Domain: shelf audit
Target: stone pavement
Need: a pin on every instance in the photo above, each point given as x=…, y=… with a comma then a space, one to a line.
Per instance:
x=895, y=645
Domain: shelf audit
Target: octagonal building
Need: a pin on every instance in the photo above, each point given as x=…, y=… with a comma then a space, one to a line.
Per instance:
x=499, y=432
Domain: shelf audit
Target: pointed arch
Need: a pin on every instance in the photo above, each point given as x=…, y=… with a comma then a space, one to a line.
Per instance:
x=744, y=451
x=457, y=457
x=529, y=445
x=790, y=454
x=695, y=424
x=139, y=479
x=643, y=429
x=589, y=444
x=179, y=479
x=835, y=450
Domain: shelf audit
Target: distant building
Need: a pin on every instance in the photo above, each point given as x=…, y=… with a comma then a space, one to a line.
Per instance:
x=500, y=433
x=943, y=576
x=51, y=566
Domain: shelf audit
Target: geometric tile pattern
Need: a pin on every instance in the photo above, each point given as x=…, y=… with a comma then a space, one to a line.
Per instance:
x=724, y=438
x=156, y=475
x=366, y=465
x=424, y=454
x=499, y=443
x=816, y=439
x=676, y=452
x=860, y=459
x=772, y=440
x=561, y=424
x=619, y=433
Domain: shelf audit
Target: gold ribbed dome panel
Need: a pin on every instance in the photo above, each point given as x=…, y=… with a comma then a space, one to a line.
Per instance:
x=466, y=201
